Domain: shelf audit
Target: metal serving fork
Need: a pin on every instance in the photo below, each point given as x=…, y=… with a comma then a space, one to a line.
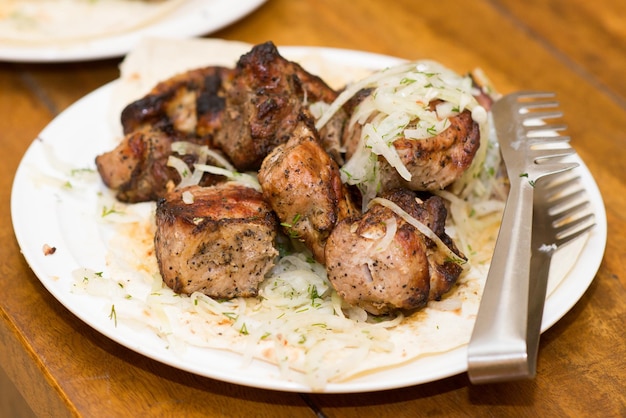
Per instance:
x=532, y=148
x=561, y=214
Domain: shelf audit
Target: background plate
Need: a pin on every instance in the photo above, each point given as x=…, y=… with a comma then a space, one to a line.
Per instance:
x=192, y=18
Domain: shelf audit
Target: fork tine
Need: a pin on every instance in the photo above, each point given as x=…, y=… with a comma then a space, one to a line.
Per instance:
x=556, y=127
x=569, y=227
x=555, y=185
x=534, y=97
x=528, y=101
x=549, y=140
x=530, y=107
x=534, y=94
x=546, y=153
x=562, y=241
x=540, y=116
x=538, y=101
x=563, y=213
x=555, y=167
x=560, y=203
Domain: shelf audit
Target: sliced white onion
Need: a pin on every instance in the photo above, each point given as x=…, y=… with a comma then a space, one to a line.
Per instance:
x=243, y=178
x=400, y=96
x=203, y=152
x=355, y=88
x=377, y=144
x=317, y=109
x=188, y=177
x=188, y=197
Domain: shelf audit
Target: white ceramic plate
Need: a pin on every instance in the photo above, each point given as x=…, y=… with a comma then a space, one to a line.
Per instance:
x=44, y=214
x=191, y=18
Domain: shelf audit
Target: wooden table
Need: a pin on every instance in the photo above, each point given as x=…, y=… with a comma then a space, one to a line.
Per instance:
x=577, y=48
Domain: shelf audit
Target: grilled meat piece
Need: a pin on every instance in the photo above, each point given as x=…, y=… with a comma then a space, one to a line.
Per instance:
x=303, y=185
x=221, y=244
x=264, y=102
x=432, y=212
x=382, y=263
x=330, y=136
x=187, y=107
x=137, y=168
x=192, y=102
x=265, y=97
x=434, y=162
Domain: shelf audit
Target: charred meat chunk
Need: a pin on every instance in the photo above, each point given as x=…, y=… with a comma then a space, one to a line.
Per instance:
x=192, y=102
x=215, y=240
x=438, y=161
x=432, y=212
x=303, y=186
x=262, y=104
x=137, y=168
x=382, y=263
x=434, y=162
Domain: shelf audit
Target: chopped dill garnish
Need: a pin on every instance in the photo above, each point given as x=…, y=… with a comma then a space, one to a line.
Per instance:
x=108, y=211
x=113, y=315
x=290, y=225
x=230, y=315
x=76, y=171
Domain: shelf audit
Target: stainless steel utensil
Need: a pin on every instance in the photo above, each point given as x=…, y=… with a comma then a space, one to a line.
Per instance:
x=531, y=148
x=561, y=214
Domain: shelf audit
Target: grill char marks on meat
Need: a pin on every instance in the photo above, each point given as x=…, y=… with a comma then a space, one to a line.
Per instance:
x=266, y=95
x=303, y=185
x=401, y=274
x=221, y=244
x=192, y=102
x=432, y=212
x=187, y=107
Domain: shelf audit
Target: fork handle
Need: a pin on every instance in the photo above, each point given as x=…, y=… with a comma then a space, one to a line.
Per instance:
x=540, y=268
x=497, y=350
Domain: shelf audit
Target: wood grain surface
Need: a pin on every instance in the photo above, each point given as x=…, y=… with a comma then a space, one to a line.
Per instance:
x=577, y=48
